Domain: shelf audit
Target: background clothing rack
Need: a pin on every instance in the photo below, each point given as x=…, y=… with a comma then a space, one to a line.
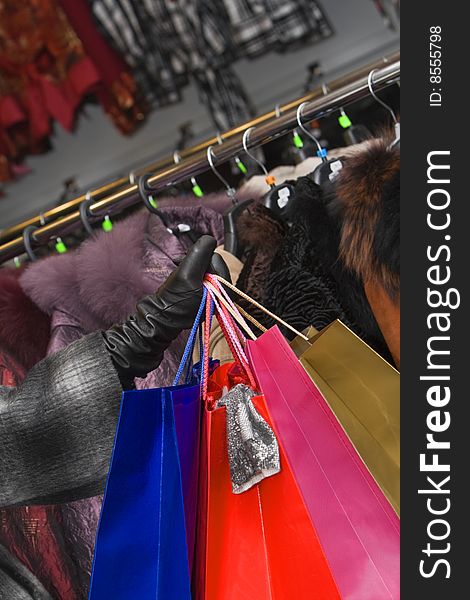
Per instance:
x=113, y=197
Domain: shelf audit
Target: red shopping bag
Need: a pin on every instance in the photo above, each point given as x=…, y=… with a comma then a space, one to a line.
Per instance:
x=260, y=544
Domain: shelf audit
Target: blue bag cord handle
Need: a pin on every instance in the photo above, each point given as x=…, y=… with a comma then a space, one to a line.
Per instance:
x=191, y=339
x=203, y=350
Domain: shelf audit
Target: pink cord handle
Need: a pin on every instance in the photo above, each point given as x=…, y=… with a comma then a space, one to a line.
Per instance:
x=229, y=328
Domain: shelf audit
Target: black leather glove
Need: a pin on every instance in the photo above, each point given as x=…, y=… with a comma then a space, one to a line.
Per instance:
x=136, y=347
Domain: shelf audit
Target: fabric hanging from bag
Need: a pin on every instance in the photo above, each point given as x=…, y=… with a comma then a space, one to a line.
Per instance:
x=253, y=450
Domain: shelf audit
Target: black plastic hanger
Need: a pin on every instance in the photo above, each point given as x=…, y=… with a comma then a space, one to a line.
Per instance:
x=352, y=133
x=28, y=242
x=231, y=243
x=328, y=169
x=231, y=216
x=279, y=196
x=85, y=214
x=355, y=134
x=146, y=193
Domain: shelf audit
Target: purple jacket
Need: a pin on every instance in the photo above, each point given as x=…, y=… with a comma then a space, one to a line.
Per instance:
x=97, y=286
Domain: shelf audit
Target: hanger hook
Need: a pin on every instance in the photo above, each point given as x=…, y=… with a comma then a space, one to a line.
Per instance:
x=28, y=242
x=236, y=158
x=210, y=160
x=85, y=213
x=304, y=129
x=146, y=194
x=374, y=95
x=245, y=138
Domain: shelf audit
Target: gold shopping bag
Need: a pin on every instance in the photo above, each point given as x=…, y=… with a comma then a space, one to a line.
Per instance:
x=363, y=391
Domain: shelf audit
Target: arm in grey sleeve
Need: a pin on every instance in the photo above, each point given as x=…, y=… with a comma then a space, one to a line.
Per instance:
x=57, y=428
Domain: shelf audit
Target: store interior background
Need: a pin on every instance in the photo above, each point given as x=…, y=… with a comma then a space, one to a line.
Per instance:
x=96, y=152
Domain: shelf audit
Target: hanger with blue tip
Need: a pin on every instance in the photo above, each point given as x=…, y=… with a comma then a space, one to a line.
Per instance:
x=328, y=169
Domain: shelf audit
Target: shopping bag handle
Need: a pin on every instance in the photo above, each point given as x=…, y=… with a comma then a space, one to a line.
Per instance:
x=191, y=339
x=231, y=334
x=236, y=311
x=216, y=290
x=258, y=305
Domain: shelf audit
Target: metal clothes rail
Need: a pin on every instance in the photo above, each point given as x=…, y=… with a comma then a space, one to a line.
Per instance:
x=113, y=197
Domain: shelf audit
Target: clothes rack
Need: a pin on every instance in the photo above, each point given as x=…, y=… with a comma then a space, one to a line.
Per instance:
x=115, y=196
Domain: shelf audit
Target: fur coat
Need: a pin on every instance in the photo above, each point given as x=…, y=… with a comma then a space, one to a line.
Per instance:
x=260, y=232
x=307, y=283
x=368, y=202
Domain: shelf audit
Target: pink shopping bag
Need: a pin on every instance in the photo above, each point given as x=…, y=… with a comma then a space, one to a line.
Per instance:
x=356, y=525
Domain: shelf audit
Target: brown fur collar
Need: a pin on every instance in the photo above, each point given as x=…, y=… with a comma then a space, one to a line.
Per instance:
x=368, y=193
x=259, y=228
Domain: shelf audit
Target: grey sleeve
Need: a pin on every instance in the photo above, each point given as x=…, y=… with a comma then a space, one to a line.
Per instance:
x=17, y=582
x=57, y=428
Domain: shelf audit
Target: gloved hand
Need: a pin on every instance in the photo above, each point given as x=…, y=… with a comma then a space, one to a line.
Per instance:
x=137, y=346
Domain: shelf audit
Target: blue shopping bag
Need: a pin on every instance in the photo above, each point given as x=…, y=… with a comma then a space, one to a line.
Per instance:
x=147, y=520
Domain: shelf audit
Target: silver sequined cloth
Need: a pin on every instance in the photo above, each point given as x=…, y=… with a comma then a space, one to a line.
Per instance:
x=253, y=450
